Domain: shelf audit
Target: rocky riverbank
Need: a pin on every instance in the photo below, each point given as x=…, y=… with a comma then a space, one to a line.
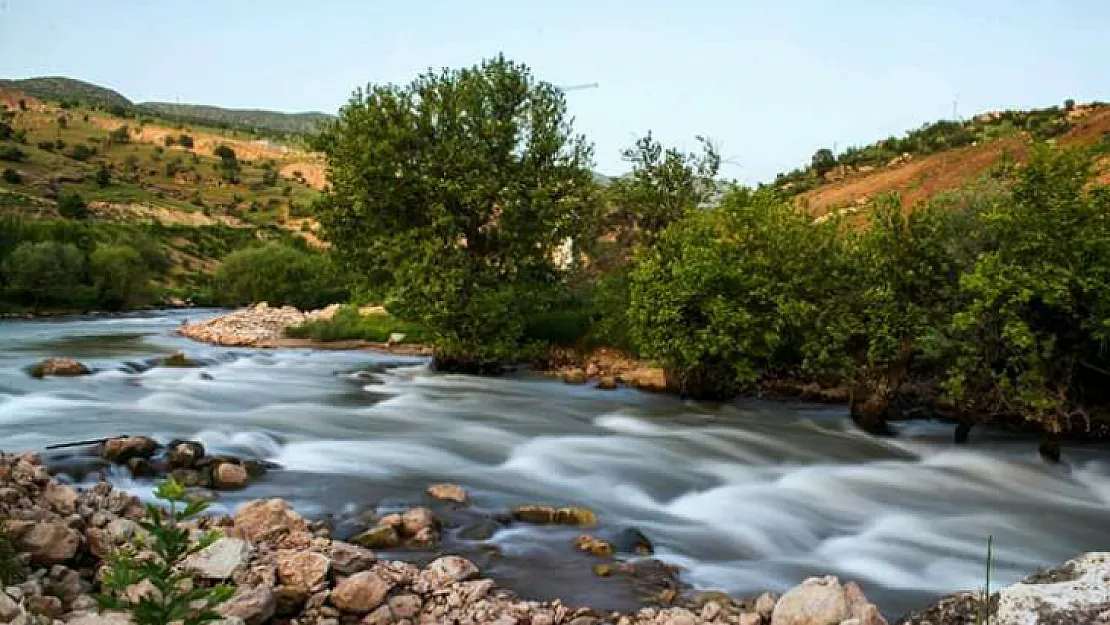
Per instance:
x=290, y=570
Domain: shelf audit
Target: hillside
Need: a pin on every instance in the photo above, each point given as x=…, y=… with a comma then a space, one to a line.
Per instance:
x=938, y=157
x=253, y=119
x=62, y=89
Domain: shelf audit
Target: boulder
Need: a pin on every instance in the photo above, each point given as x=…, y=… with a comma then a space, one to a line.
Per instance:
x=574, y=376
x=765, y=605
x=61, y=367
x=63, y=499
x=632, y=540
x=44, y=605
x=253, y=604
x=447, y=492
x=50, y=542
x=360, y=593
x=406, y=606
x=184, y=454
x=179, y=359
x=482, y=529
x=1076, y=592
x=265, y=519
x=221, y=559
x=452, y=568
x=549, y=515
x=302, y=569
x=382, y=537
x=416, y=520
x=646, y=379
x=347, y=559
x=816, y=601
x=594, y=546
x=229, y=476
x=123, y=448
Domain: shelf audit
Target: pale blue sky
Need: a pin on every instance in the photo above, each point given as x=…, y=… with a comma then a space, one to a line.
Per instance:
x=770, y=81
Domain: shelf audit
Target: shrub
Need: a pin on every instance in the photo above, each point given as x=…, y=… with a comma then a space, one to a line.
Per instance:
x=120, y=135
x=169, y=141
x=347, y=324
x=103, y=175
x=12, y=154
x=73, y=206
x=119, y=275
x=63, y=122
x=81, y=152
x=11, y=176
x=173, y=166
x=224, y=152
x=12, y=570
x=177, y=598
x=44, y=273
x=185, y=141
x=46, y=145
x=280, y=275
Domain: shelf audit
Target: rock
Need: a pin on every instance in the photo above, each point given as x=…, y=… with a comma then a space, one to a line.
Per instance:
x=382, y=537
x=1075, y=592
x=607, y=383
x=381, y=616
x=593, y=370
x=396, y=338
x=405, y=606
x=254, y=605
x=482, y=529
x=347, y=559
x=190, y=478
x=8, y=608
x=44, y=605
x=750, y=618
x=765, y=605
x=304, y=569
x=228, y=476
x=61, y=367
x=816, y=601
x=221, y=559
x=593, y=546
x=447, y=492
x=141, y=467
x=632, y=540
x=184, y=454
x=63, y=499
x=290, y=600
x=452, y=568
x=266, y=519
x=179, y=359
x=417, y=519
x=646, y=379
x=50, y=542
x=360, y=593
x=123, y=448
x=575, y=376
x=104, y=618
x=710, y=611
x=548, y=515
x=603, y=570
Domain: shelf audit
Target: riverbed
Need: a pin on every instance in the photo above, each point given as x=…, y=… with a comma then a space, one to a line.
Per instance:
x=745, y=496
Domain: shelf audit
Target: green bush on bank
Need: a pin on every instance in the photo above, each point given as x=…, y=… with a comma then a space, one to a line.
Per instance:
x=280, y=275
x=347, y=324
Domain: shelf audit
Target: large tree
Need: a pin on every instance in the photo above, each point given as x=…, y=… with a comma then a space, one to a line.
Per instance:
x=454, y=192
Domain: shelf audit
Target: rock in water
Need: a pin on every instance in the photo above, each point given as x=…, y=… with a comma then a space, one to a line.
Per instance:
x=229, y=476
x=360, y=592
x=447, y=492
x=548, y=515
x=123, y=448
x=61, y=367
x=184, y=454
x=179, y=359
x=220, y=559
x=382, y=537
x=816, y=601
x=417, y=520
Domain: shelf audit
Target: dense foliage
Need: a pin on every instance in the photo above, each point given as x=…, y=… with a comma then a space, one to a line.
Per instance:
x=280, y=275
x=454, y=193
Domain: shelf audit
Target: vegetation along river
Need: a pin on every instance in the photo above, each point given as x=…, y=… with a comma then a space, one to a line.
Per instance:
x=745, y=496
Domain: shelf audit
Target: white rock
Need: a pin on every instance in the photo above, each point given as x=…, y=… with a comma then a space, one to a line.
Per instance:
x=1076, y=593
x=816, y=601
x=8, y=608
x=220, y=559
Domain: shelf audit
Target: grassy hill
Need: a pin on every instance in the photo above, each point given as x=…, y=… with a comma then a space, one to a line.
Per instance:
x=938, y=157
x=250, y=119
x=62, y=89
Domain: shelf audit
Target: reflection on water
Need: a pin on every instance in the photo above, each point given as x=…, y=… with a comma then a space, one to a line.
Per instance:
x=746, y=496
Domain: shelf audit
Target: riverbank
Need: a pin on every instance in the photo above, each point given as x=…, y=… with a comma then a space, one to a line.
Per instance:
x=289, y=569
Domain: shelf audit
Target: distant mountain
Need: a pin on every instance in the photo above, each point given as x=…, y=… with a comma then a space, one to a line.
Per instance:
x=60, y=88
x=254, y=119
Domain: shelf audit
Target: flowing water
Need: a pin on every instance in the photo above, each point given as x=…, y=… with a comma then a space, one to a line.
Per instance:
x=745, y=496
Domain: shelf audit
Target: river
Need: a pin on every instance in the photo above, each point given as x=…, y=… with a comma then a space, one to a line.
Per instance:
x=745, y=496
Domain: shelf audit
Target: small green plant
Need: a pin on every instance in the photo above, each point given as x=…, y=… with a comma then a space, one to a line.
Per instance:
x=11, y=176
x=173, y=597
x=983, y=604
x=12, y=570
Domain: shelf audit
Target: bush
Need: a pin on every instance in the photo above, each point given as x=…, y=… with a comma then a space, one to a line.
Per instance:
x=280, y=275
x=81, y=152
x=185, y=141
x=11, y=176
x=103, y=175
x=12, y=154
x=224, y=152
x=73, y=206
x=173, y=166
x=120, y=135
x=44, y=273
x=12, y=570
x=46, y=145
x=347, y=324
x=119, y=275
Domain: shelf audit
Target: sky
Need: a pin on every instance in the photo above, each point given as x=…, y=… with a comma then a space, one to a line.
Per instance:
x=770, y=81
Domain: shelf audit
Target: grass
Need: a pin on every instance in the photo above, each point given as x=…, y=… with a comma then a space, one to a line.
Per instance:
x=347, y=324
x=983, y=607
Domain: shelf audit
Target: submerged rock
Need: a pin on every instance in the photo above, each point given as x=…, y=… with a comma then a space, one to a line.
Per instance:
x=60, y=367
x=179, y=359
x=549, y=515
x=184, y=454
x=447, y=492
x=229, y=476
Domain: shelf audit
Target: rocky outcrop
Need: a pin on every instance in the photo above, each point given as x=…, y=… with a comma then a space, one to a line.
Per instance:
x=257, y=326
